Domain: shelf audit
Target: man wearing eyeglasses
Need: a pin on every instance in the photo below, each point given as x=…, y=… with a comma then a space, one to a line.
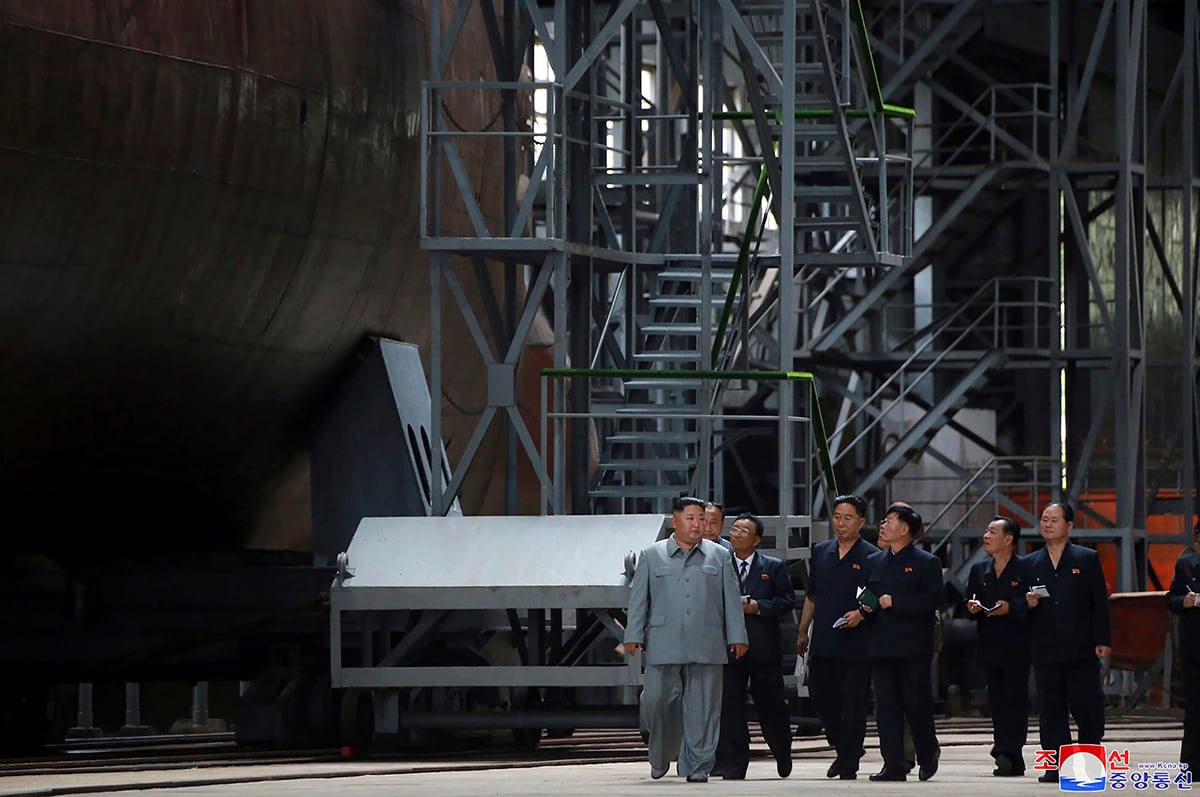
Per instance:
x=767, y=595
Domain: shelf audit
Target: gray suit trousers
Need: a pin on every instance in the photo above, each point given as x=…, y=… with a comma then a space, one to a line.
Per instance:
x=681, y=707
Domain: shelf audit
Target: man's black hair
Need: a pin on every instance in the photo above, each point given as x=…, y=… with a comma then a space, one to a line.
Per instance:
x=1067, y=512
x=686, y=500
x=911, y=518
x=1009, y=525
x=758, y=524
x=859, y=504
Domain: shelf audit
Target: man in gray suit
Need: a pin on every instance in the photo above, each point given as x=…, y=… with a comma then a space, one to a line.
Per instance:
x=685, y=610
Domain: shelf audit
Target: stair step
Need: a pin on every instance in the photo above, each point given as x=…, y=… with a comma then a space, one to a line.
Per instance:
x=805, y=132
x=824, y=164
x=686, y=300
x=650, y=464
x=824, y=193
x=826, y=222
x=662, y=384
x=671, y=329
x=684, y=438
x=657, y=410
x=806, y=72
x=694, y=274
x=667, y=356
x=638, y=491
x=755, y=6
x=774, y=38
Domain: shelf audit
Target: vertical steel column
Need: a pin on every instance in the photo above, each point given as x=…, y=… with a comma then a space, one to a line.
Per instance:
x=439, y=503
x=200, y=704
x=1190, y=405
x=787, y=262
x=508, y=69
x=1055, y=187
x=575, y=36
x=133, y=705
x=558, y=261
x=1127, y=288
x=85, y=720
x=708, y=38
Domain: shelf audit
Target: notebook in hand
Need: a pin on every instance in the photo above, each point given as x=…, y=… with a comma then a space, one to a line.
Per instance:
x=867, y=598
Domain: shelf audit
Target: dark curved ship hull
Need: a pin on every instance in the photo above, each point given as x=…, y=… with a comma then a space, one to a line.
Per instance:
x=205, y=205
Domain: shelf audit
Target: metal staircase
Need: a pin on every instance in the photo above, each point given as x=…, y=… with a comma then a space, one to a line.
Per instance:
x=659, y=425
x=808, y=77
x=798, y=61
x=942, y=364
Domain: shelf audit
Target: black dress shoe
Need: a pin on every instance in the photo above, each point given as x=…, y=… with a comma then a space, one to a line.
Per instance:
x=1004, y=766
x=848, y=775
x=834, y=770
x=697, y=777
x=733, y=775
x=784, y=766
x=929, y=769
x=1049, y=776
x=889, y=774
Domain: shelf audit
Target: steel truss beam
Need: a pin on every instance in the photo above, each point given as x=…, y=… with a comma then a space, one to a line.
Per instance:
x=1102, y=167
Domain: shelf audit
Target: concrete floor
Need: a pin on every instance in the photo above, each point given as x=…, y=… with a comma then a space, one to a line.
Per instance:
x=965, y=769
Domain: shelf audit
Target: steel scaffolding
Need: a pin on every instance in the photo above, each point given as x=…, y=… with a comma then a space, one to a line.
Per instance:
x=734, y=184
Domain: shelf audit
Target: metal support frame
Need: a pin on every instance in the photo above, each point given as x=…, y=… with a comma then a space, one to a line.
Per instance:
x=1101, y=171
x=625, y=187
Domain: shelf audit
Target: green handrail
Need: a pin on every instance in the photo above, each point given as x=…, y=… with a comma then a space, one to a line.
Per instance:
x=818, y=419
x=864, y=41
x=739, y=268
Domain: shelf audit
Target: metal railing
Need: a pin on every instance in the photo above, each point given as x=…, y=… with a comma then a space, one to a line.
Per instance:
x=809, y=428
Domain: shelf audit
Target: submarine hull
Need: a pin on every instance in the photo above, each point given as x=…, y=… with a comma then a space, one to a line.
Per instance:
x=205, y=207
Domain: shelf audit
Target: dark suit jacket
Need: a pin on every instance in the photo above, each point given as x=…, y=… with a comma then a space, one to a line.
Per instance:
x=1004, y=640
x=1187, y=578
x=768, y=583
x=1069, y=624
x=913, y=578
x=832, y=582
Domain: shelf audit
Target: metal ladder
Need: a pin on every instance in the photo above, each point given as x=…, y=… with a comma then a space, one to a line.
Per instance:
x=800, y=109
x=660, y=424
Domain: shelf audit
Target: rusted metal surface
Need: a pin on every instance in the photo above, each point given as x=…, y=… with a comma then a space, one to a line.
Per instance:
x=1140, y=624
x=205, y=205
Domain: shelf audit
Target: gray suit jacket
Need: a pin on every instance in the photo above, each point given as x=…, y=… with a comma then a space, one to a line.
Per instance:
x=685, y=606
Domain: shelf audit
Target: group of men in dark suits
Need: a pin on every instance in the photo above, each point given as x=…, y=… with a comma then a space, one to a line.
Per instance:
x=1048, y=609
x=692, y=595
x=871, y=615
